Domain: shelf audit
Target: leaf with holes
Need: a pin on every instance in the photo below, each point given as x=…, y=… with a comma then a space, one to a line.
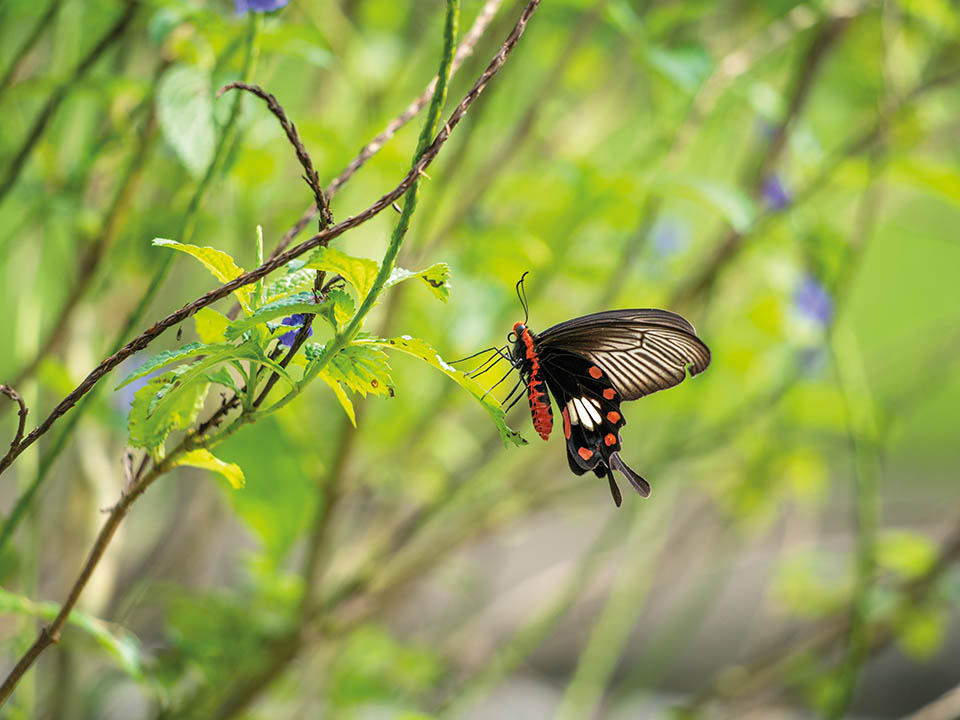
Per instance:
x=422, y=349
x=219, y=263
x=359, y=272
x=203, y=458
x=436, y=277
x=360, y=366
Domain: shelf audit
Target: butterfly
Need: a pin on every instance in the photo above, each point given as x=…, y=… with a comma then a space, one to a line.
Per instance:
x=592, y=364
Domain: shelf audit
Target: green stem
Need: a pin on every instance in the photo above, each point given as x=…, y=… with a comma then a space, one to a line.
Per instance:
x=186, y=233
x=427, y=132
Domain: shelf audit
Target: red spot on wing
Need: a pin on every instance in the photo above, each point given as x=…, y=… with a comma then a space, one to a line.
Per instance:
x=585, y=453
x=595, y=372
x=613, y=416
x=610, y=439
x=566, y=423
x=609, y=393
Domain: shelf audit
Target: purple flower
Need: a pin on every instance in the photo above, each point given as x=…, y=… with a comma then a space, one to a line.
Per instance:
x=813, y=301
x=293, y=321
x=258, y=5
x=669, y=236
x=775, y=195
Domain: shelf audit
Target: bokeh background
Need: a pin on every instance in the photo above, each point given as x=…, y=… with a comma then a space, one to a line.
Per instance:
x=786, y=175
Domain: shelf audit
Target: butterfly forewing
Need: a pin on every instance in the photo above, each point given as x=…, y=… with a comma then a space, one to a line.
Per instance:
x=641, y=351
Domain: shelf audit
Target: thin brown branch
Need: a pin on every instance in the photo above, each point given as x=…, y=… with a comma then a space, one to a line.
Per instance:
x=464, y=50
x=320, y=200
x=22, y=412
x=321, y=238
x=49, y=634
x=111, y=36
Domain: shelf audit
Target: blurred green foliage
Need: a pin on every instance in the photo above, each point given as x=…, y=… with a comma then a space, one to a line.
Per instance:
x=784, y=174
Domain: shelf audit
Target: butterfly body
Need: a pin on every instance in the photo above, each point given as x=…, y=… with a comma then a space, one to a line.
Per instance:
x=594, y=363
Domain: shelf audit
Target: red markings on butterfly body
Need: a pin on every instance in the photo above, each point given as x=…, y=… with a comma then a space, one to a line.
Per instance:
x=539, y=401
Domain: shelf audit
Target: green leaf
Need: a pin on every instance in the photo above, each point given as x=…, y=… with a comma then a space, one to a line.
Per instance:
x=120, y=644
x=145, y=428
x=436, y=277
x=422, y=349
x=203, y=458
x=298, y=279
x=185, y=113
x=337, y=309
x=299, y=303
x=172, y=404
x=210, y=325
x=362, y=368
x=171, y=356
x=734, y=205
x=341, y=396
x=217, y=262
x=359, y=272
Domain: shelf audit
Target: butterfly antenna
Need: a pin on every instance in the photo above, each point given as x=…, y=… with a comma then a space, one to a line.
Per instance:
x=522, y=294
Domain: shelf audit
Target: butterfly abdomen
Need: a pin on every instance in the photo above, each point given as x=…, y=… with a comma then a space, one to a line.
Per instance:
x=536, y=390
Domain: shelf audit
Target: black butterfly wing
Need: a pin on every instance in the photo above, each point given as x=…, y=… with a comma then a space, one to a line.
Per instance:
x=641, y=351
x=590, y=410
x=595, y=362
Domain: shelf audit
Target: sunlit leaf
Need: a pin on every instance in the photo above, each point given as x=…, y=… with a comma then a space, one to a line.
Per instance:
x=210, y=325
x=422, y=349
x=203, y=458
x=359, y=272
x=219, y=263
x=436, y=277
x=337, y=308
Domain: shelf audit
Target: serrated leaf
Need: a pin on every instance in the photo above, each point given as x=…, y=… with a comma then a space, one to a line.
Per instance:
x=185, y=114
x=337, y=308
x=299, y=303
x=119, y=643
x=219, y=263
x=436, y=277
x=147, y=429
x=171, y=356
x=222, y=376
x=297, y=280
x=338, y=391
x=422, y=349
x=363, y=369
x=359, y=272
x=203, y=458
x=210, y=325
